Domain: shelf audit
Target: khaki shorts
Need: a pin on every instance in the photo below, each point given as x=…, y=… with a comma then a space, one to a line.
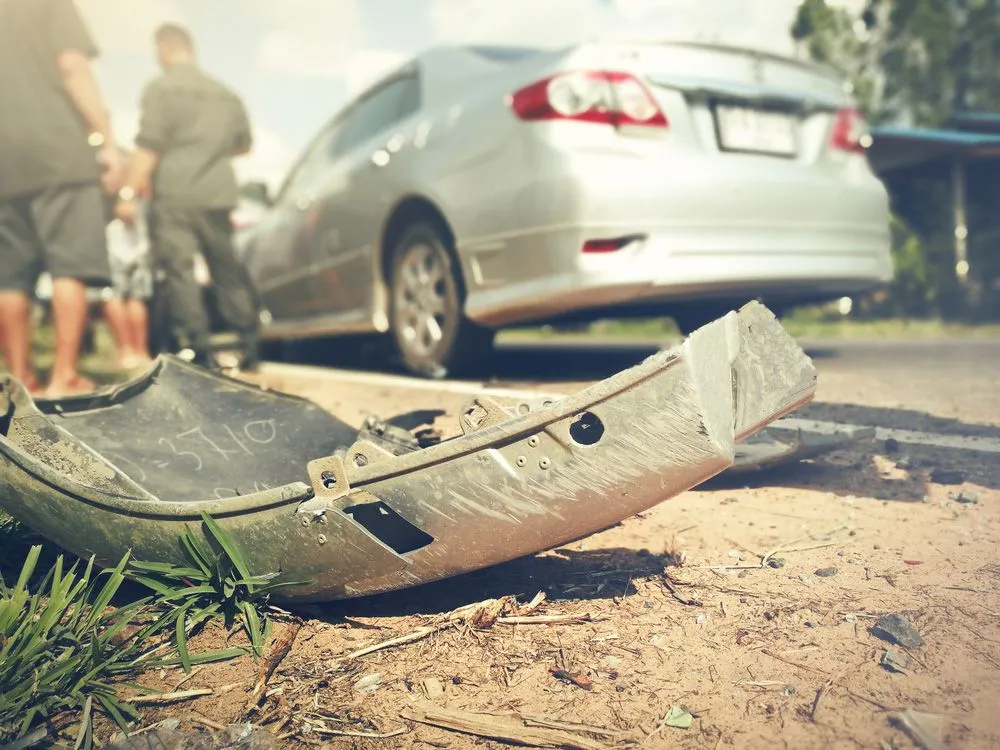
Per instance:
x=60, y=230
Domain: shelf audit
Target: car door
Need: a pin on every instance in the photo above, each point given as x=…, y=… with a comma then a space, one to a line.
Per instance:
x=360, y=191
x=281, y=259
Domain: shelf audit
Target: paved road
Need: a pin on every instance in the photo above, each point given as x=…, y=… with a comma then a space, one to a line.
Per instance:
x=927, y=390
x=948, y=380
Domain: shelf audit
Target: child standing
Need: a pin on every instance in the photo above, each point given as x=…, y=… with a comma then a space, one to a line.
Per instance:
x=127, y=311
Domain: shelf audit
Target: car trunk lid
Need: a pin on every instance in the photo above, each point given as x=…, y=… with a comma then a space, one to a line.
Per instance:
x=733, y=101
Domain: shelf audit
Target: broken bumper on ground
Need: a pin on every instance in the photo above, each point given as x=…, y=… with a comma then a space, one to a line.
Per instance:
x=308, y=497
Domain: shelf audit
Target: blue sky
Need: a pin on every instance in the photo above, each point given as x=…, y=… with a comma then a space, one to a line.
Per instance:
x=295, y=62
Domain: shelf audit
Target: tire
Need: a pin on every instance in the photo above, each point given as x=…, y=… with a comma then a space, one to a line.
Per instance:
x=430, y=333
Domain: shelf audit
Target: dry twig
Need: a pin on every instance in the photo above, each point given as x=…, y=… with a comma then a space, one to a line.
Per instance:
x=416, y=635
x=545, y=620
x=199, y=719
x=183, y=695
x=504, y=727
x=366, y=735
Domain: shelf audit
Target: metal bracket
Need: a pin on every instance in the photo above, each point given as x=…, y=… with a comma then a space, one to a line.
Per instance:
x=365, y=452
x=481, y=413
x=329, y=480
x=328, y=477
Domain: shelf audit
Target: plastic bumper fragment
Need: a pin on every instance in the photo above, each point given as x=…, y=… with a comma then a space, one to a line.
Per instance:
x=307, y=497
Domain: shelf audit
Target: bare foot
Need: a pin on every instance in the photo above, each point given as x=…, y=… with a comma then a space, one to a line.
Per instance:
x=135, y=362
x=30, y=382
x=76, y=386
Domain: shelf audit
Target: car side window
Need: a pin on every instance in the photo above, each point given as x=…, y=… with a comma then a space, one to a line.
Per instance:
x=390, y=103
x=311, y=164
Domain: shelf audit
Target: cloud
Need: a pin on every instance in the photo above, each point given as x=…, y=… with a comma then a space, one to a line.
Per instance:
x=125, y=123
x=268, y=161
x=309, y=37
x=127, y=26
x=546, y=23
x=368, y=65
x=763, y=24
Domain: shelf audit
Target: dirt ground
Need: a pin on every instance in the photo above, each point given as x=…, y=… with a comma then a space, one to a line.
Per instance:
x=745, y=606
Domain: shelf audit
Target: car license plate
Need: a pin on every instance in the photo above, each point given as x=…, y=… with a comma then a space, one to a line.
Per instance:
x=755, y=130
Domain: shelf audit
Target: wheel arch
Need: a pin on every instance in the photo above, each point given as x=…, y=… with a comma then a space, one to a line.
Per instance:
x=408, y=211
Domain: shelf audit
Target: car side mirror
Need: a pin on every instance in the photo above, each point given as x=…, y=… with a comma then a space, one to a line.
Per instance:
x=257, y=191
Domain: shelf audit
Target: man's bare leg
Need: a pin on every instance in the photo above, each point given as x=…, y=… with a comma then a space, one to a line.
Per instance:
x=15, y=335
x=69, y=311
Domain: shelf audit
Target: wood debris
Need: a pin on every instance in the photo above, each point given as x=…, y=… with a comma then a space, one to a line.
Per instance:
x=510, y=727
x=480, y=616
x=183, y=695
x=280, y=650
x=575, y=678
x=416, y=635
x=671, y=585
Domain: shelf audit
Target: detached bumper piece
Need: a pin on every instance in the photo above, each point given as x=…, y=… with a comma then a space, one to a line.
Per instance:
x=310, y=498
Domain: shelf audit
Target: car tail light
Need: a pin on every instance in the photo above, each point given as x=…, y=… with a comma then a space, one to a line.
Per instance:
x=850, y=132
x=609, y=98
x=609, y=244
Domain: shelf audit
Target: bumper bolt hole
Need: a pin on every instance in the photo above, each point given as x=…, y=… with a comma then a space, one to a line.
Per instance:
x=586, y=429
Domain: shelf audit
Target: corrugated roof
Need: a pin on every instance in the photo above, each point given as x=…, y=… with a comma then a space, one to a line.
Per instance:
x=896, y=147
x=955, y=137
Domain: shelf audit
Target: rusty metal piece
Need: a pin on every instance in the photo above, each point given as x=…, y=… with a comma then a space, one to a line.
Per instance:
x=132, y=468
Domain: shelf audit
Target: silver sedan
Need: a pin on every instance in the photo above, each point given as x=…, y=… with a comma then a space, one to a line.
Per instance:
x=479, y=188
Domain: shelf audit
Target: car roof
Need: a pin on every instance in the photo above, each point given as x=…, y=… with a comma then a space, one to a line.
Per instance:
x=444, y=67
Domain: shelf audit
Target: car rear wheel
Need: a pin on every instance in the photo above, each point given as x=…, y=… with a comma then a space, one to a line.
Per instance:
x=431, y=334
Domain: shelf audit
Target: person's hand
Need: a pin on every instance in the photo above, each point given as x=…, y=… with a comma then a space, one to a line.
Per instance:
x=127, y=210
x=112, y=168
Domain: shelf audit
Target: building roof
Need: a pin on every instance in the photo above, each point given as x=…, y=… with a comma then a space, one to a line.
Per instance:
x=901, y=147
x=980, y=122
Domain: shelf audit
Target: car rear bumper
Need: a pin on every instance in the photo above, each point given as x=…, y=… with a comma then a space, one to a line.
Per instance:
x=668, y=265
x=705, y=228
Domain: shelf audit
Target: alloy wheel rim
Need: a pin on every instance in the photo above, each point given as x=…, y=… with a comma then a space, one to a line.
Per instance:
x=423, y=299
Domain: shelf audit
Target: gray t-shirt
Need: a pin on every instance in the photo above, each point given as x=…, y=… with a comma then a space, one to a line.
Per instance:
x=195, y=124
x=43, y=138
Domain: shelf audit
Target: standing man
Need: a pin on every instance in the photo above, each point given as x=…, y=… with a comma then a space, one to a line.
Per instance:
x=51, y=204
x=190, y=129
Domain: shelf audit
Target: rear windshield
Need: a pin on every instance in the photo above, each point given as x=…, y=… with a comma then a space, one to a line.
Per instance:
x=504, y=54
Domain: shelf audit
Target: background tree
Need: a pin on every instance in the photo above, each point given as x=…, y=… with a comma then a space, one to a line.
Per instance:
x=919, y=62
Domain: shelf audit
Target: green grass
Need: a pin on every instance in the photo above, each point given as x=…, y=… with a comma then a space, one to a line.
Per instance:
x=217, y=584
x=892, y=328
x=66, y=650
x=58, y=648
x=806, y=324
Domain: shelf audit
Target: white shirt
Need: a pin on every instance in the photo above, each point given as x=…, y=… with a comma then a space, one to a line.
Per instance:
x=128, y=244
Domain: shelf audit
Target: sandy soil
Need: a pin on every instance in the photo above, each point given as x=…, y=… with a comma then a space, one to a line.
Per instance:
x=749, y=606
